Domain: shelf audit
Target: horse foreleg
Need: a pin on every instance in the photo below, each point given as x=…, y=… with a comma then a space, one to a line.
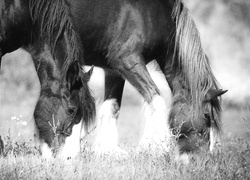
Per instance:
x=156, y=134
x=106, y=140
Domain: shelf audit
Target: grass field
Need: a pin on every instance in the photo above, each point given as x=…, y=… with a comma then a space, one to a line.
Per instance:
x=232, y=162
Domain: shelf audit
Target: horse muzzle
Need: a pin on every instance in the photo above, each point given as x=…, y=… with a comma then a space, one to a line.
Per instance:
x=58, y=143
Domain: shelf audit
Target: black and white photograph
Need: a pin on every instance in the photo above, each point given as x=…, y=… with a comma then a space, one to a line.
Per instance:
x=125, y=89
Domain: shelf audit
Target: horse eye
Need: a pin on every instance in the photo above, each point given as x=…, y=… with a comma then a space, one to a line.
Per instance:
x=207, y=116
x=70, y=110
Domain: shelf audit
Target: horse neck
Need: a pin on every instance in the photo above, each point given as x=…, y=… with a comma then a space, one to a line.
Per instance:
x=54, y=29
x=15, y=25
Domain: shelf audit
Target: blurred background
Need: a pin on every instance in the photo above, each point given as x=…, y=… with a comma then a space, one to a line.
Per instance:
x=224, y=26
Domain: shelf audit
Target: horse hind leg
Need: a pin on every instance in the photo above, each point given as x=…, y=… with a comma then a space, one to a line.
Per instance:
x=106, y=141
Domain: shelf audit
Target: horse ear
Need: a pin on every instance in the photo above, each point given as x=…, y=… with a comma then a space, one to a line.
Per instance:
x=88, y=74
x=214, y=93
x=72, y=76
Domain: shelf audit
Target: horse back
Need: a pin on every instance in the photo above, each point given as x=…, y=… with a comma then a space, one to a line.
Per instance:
x=104, y=24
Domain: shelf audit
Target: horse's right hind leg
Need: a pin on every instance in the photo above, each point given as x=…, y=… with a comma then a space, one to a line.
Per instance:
x=106, y=140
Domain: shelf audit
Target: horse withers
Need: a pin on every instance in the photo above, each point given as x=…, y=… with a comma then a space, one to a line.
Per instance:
x=44, y=29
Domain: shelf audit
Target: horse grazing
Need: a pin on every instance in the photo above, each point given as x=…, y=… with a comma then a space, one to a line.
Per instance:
x=124, y=36
x=44, y=29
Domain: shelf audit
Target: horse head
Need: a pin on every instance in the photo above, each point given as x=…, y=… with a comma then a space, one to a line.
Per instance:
x=193, y=127
x=63, y=104
x=76, y=99
x=44, y=28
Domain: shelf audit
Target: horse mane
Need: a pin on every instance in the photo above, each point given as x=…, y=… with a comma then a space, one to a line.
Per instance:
x=54, y=20
x=194, y=63
x=87, y=107
x=2, y=6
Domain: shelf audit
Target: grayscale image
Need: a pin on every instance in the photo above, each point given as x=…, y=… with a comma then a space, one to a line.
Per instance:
x=125, y=89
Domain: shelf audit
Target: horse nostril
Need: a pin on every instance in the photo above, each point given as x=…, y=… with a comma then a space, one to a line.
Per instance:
x=55, y=143
x=69, y=131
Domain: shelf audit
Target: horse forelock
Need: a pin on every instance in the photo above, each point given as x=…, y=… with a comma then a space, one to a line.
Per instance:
x=2, y=22
x=216, y=112
x=193, y=61
x=2, y=6
x=54, y=20
x=87, y=105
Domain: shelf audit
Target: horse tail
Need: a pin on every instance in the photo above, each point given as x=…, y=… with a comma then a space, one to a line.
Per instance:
x=194, y=64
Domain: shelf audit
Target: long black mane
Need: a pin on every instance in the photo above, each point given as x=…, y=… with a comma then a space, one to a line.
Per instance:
x=194, y=63
x=53, y=20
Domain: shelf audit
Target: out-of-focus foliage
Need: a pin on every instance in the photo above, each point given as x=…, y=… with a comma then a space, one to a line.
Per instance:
x=19, y=89
x=18, y=79
x=224, y=26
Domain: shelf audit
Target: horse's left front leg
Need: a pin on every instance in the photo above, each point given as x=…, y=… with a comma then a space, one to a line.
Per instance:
x=156, y=134
x=106, y=140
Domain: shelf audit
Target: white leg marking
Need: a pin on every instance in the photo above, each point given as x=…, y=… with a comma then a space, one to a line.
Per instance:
x=97, y=84
x=106, y=131
x=71, y=147
x=212, y=139
x=46, y=151
x=156, y=131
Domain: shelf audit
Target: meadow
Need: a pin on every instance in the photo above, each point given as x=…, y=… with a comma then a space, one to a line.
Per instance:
x=229, y=161
x=225, y=33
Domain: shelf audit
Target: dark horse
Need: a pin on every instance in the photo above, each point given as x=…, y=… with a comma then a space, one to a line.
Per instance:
x=123, y=36
x=45, y=30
